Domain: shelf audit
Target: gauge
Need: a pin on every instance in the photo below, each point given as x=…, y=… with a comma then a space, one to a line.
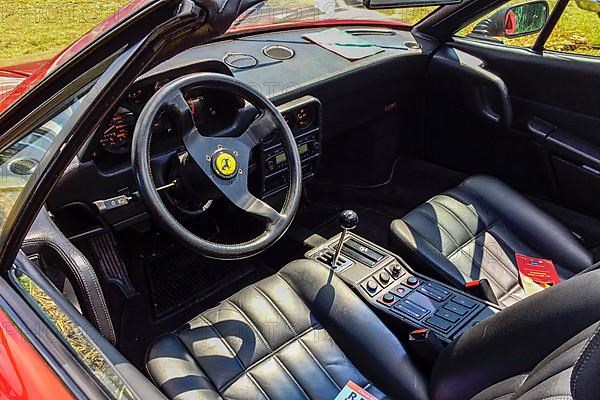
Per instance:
x=136, y=96
x=289, y=119
x=119, y=131
x=159, y=84
x=196, y=105
x=304, y=117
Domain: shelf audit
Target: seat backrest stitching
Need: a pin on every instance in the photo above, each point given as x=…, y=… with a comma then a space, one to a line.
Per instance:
x=252, y=325
x=262, y=359
x=316, y=360
x=276, y=309
x=278, y=361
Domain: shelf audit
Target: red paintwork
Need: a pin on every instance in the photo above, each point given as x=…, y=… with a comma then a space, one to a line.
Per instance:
x=307, y=24
x=24, y=374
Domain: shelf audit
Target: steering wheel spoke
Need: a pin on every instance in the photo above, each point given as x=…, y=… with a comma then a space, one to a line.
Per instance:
x=262, y=126
x=184, y=116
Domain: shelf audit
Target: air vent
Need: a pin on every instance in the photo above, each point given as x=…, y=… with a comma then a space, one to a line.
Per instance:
x=240, y=60
x=278, y=52
x=23, y=166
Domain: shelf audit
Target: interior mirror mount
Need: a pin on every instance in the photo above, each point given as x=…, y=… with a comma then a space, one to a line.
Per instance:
x=514, y=21
x=383, y=4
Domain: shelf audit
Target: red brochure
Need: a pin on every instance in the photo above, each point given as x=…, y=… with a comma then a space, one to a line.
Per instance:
x=540, y=271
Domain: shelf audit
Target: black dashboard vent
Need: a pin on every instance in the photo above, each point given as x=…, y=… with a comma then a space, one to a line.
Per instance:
x=278, y=52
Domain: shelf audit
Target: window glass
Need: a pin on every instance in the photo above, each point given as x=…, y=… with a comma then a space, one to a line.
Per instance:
x=274, y=12
x=73, y=336
x=19, y=161
x=499, y=25
x=578, y=29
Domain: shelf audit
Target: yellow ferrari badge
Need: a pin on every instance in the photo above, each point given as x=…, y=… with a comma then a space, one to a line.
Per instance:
x=225, y=164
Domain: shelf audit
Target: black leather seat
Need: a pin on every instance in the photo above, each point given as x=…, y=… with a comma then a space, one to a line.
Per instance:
x=303, y=334
x=474, y=230
x=299, y=334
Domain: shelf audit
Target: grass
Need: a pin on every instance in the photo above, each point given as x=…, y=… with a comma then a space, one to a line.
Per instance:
x=32, y=30
x=76, y=339
x=577, y=32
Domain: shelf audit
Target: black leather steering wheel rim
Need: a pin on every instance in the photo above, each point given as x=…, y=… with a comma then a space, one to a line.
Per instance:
x=207, y=151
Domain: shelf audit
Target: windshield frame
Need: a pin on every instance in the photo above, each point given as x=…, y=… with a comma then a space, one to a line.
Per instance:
x=238, y=29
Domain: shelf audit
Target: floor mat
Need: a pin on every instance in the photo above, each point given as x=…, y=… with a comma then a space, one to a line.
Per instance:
x=179, y=278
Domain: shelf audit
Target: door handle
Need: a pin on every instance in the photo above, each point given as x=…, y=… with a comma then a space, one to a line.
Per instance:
x=540, y=128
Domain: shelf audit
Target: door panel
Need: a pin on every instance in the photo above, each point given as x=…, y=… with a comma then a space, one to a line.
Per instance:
x=552, y=147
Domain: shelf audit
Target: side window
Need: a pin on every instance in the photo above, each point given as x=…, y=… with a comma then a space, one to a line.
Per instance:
x=518, y=23
x=578, y=29
x=18, y=161
x=515, y=23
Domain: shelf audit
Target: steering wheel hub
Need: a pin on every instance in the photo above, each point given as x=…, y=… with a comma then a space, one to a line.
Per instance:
x=224, y=164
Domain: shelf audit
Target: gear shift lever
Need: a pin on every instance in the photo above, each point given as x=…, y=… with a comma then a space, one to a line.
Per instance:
x=348, y=219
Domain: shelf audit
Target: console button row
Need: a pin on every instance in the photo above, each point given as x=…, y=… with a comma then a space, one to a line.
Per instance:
x=382, y=279
x=412, y=281
x=456, y=308
x=411, y=309
x=464, y=301
x=439, y=323
x=434, y=291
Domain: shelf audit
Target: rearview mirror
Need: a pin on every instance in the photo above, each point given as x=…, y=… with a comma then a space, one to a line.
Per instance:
x=382, y=4
x=514, y=21
x=589, y=5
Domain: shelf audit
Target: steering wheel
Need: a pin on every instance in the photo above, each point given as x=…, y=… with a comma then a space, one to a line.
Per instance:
x=224, y=160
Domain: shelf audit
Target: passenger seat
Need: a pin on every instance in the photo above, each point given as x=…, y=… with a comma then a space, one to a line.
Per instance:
x=474, y=230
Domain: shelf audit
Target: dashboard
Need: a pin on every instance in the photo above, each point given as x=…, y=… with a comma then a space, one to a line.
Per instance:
x=320, y=94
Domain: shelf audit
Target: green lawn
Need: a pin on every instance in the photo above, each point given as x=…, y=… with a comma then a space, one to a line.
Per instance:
x=577, y=31
x=33, y=30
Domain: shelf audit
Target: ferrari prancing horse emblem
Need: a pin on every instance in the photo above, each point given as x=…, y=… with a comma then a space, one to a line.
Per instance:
x=225, y=164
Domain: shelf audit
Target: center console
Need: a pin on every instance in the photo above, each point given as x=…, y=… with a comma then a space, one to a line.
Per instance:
x=303, y=116
x=387, y=283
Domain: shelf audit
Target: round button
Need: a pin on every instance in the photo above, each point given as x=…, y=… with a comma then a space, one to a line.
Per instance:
x=388, y=298
x=396, y=269
x=371, y=286
x=412, y=281
x=384, y=277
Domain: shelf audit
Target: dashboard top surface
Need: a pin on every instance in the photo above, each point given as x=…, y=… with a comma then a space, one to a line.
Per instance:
x=310, y=63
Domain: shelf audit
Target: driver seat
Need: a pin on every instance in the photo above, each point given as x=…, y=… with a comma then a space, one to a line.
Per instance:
x=303, y=333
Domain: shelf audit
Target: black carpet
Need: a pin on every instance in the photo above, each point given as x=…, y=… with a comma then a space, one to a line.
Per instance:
x=179, y=278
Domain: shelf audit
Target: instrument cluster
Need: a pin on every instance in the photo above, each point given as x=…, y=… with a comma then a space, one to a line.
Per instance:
x=211, y=111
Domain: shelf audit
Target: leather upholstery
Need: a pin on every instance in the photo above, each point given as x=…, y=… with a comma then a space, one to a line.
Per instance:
x=44, y=237
x=474, y=230
x=544, y=347
x=301, y=333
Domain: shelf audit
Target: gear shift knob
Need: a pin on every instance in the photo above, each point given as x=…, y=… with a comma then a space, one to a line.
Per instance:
x=348, y=219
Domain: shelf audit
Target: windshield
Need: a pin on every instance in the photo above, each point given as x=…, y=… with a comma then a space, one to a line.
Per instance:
x=279, y=12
